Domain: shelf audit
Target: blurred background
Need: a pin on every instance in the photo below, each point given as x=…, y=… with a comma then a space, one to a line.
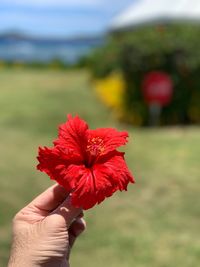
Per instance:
x=131, y=64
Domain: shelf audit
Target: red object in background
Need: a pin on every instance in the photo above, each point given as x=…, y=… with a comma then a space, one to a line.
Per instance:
x=157, y=88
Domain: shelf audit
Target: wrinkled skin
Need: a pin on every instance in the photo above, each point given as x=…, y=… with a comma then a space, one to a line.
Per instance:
x=45, y=230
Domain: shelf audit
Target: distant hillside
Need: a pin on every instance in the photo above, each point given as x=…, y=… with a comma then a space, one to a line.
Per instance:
x=69, y=40
x=15, y=46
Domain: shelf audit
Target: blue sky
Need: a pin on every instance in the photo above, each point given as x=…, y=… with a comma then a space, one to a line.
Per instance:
x=59, y=17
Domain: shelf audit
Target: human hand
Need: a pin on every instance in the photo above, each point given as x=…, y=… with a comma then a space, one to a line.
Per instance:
x=45, y=230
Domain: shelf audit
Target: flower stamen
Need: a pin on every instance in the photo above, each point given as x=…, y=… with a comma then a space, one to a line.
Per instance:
x=95, y=146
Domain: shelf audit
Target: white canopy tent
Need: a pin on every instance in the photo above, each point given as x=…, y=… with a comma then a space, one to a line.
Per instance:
x=156, y=11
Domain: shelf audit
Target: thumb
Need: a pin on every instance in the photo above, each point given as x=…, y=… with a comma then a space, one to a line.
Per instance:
x=68, y=211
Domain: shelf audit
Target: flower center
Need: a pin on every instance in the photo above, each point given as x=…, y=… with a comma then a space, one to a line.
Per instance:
x=95, y=146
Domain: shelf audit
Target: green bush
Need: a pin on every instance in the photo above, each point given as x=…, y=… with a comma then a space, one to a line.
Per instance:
x=170, y=48
x=105, y=59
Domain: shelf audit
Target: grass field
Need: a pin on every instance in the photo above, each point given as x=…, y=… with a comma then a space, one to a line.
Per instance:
x=156, y=224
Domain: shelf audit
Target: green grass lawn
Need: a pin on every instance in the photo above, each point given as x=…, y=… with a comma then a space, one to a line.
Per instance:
x=155, y=224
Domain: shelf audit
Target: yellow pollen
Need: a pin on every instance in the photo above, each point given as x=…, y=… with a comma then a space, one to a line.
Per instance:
x=95, y=146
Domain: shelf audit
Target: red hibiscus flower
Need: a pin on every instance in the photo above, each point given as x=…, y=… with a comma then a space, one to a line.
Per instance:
x=86, y=163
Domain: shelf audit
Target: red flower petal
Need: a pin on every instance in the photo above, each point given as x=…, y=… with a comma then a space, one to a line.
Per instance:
x=73, y=135
x=116, y=169
x=91, y=190
x=51, y=163
x=59, y=167
x=107, y=139
x=101, y=182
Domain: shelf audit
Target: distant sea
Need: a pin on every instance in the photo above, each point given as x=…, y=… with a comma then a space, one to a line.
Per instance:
x=27, y=49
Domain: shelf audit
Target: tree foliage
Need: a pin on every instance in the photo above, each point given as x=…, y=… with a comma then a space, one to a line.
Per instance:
x=170, y=48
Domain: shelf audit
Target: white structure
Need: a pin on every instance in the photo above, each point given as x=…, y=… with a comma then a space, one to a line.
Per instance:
x=156, y=11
